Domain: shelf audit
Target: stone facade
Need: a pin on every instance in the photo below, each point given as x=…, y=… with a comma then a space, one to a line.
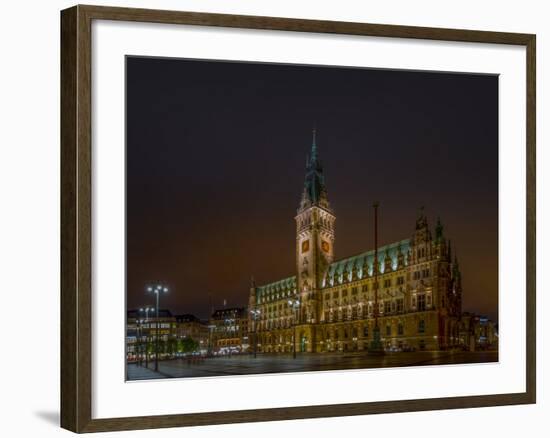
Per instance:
x=229, y=331
x=191, y=327
x=477, y=333
x=141, y=332
x=329, y=305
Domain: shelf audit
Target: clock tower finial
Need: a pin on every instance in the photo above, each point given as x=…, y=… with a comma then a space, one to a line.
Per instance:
x=314, y=145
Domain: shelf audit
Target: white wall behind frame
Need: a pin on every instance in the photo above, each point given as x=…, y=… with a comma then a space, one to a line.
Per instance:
x=29, y=232
x=114, y=398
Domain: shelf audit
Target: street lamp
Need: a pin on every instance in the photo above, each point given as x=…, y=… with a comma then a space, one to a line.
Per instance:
x=157, y=290
x=295, y=305
x=211, y=328
x=147, y=310
x=255, y=314
x=138, y=337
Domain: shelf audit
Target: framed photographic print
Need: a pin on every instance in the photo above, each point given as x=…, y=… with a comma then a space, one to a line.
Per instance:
x=318, y=218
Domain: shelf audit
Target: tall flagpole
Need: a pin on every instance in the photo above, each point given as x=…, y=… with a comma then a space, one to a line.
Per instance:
x=376, y=344
x=376, y=265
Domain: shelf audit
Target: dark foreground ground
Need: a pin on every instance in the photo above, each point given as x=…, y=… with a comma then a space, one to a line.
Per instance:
x=264, y=363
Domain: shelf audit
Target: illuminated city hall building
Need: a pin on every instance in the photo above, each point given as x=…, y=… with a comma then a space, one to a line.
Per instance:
x=329, y=304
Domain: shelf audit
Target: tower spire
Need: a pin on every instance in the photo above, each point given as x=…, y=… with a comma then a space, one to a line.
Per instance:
x=315, y=192
x=314, y=146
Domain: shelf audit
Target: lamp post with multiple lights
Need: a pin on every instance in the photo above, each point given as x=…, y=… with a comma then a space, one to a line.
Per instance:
x=255, y=315
x=211, y=328
x=295, y=305
x=145, y=310
x=157, y=289
x=139, y=337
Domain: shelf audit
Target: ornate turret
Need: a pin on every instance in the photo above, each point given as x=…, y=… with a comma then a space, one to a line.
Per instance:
x=421, y=220
x=387, y=262
x=354, y=272
x=422, y=238
x=345, y=275
x=400, y=257
x=365, y=268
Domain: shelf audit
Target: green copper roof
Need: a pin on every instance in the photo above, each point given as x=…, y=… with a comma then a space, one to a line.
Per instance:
x=287, y=286
x=358, y=260
x=314, y=185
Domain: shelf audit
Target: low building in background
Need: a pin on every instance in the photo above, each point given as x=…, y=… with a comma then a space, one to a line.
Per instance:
x=189, y=327
x=141, y=334
x=477, y=332
x=229, y=331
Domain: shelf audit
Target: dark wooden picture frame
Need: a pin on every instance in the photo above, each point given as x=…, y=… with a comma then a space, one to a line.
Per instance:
x=76, y=218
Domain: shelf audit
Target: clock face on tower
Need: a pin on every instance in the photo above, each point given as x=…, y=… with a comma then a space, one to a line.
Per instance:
x=325, y=246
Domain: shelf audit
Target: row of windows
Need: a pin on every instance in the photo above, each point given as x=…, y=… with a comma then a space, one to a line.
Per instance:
x=274, y=308
x=365, y=288
x=154, y=325
x=276, y=296
x=229, y=342
x=417, y=275
x=271, y=310
x=421, y=328
x=421, y=252
x=268, y=325
x=228, y=328
x=354, y=312
x=325, y=221
x=419, y=302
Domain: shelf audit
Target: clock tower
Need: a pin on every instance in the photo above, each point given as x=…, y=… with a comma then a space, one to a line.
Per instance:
x=314, y=238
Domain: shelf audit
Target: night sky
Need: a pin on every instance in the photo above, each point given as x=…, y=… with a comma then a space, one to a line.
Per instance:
x=216, y=156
